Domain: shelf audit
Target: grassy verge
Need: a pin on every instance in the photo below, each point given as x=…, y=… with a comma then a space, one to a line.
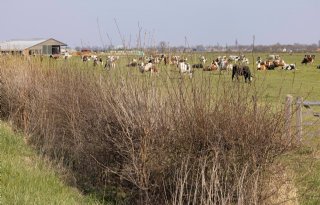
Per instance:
x=305, y=164
x=27, y=179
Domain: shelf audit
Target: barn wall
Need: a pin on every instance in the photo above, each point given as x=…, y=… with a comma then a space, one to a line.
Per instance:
x=46, y=47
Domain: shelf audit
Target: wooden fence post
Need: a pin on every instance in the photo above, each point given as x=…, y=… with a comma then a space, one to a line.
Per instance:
x=288, y=115
x=299, y=118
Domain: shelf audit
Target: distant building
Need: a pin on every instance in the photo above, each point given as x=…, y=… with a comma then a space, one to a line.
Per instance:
x=32, y=47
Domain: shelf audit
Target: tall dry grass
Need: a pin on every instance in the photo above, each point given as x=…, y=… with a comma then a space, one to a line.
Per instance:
x=141, y=140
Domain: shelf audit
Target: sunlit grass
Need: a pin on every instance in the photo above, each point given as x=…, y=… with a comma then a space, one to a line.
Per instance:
x=25, y=178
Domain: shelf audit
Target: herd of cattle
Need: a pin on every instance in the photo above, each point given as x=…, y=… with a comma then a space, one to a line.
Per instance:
x=237, y=64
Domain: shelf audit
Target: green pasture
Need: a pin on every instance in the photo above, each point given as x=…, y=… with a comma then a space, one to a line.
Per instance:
x=272, y=85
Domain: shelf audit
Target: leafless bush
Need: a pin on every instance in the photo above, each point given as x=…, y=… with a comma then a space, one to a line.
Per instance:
x=151, y=141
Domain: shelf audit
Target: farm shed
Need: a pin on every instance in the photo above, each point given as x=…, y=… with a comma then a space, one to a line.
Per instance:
x=32, y=46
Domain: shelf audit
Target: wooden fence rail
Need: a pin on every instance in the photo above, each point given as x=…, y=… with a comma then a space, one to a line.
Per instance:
x=299, y=103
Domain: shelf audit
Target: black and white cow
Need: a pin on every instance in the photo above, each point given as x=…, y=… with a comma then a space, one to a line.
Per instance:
x=289, y=66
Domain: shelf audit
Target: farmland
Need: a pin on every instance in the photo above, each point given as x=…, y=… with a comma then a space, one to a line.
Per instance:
x=275, y=84
x=137, y=138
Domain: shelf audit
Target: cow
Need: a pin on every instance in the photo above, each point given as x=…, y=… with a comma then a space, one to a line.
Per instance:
x=279, y=62
x=308, y=59
x=243, y=70
x=289, y=67
x=110, y=63
x=238, y=59
x=274, y=57
x=174, y=60
x=318, y=66
x=266, y=65
x=203, y=60
x=261, y=65
x=225, y=65
x=185, y=68
x=133, y=63
x=214, y=66
x=197, y=65
x=148, y=67
x=85, y=58
x=233, y=58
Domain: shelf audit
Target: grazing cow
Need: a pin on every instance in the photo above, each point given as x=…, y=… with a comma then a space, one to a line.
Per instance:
x=66, y=55
x=238, y=59
x=197, y=65
x=150, y=59
x=85, y=58
x=157, y=60
x=263, y=65
x=268, y=65
x=233, y=58
x=175, y=60
x=279, y=62
x=289, y=67
x=97, y=61
x=214, y=66
x=53, y=56
x=241, y=70
x=111, y=62
x=133, y=63
x=260, y=64
x=223, y=64
x=148, y=67
x=185, y=68
x=183, y=59
x=274, y=57
x=308, y=59
x=203, y=60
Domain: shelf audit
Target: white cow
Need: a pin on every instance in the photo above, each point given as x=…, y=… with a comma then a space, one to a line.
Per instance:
x=203, y=60
x=111, y=61
x=185, y=68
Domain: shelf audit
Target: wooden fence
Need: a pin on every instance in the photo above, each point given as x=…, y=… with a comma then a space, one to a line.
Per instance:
x=299, y=103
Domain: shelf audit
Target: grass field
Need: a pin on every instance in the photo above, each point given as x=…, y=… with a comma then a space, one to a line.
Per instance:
x=274, y=84
x=25, y=178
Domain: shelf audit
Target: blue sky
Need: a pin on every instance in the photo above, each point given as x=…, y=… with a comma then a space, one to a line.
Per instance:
x=206, y=22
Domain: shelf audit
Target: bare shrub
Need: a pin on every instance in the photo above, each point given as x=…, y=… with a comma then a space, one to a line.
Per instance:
x=146, y=140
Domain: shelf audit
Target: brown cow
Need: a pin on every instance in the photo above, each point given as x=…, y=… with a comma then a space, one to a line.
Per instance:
x=212, y=67
x=308, y=59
